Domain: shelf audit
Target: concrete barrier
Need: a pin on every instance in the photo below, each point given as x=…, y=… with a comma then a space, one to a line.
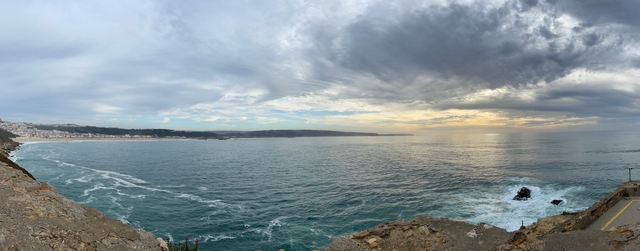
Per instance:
x=583, y=219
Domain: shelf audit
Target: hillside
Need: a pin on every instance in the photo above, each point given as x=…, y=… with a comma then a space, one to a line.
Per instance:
x=161, y=133
x=6, y=136
x=295, y=133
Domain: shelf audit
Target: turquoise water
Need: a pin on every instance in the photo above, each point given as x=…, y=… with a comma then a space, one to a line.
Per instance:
x=298, y=193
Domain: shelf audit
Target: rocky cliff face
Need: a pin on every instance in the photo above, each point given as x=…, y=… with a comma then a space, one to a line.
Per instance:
x=425, y=233
x=33, y=216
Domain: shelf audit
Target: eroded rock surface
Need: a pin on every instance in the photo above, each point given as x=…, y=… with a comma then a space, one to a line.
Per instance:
x=33, y=216
x=425, y=233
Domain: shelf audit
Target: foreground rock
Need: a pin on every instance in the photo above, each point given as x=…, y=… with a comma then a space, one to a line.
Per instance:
x=33, y=216
x=425, y=233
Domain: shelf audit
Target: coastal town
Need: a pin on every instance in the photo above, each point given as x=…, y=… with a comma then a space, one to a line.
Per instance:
x=29, y=130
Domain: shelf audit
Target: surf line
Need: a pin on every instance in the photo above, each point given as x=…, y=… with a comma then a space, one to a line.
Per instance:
x=618, y=214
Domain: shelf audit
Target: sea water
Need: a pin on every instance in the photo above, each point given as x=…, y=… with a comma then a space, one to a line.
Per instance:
x=298, y=193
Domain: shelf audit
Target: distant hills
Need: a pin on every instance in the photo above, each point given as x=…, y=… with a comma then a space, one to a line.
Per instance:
x=295, y=133
x=162, y=133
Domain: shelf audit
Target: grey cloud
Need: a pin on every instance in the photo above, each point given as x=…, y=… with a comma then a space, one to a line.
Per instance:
x=601, y=12
x=580, y=101
x=590, y=39
x=440, y=52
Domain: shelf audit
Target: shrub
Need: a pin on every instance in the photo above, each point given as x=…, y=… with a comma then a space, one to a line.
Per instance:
x=182, y=246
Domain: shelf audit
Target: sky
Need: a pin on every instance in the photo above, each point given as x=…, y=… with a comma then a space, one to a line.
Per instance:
x=387, y=66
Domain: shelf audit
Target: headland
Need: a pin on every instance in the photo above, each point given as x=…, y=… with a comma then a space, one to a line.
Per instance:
x=66, y=139
x=35, y=217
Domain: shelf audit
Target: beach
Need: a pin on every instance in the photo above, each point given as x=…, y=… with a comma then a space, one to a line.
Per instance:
x=28, y=140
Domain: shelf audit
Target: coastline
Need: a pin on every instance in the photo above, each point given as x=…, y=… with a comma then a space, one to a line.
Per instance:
x=567, y=231
x=36, y=217
x=418, y=234
x=31, y=140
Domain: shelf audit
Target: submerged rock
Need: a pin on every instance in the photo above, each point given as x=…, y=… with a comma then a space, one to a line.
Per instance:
x=556, y=202
x=523, y=194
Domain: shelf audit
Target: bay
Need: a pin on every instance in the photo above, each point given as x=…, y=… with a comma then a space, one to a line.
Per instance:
x=298, y=193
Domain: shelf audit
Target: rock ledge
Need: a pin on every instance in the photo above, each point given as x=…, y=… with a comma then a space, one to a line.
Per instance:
x=34, y=217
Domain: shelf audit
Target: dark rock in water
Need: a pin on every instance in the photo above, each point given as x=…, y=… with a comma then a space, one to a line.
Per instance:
x=556, y=202
x=523, y=194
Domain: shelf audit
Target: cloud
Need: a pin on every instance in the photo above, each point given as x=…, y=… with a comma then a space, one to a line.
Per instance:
x=289, y=63
x=472, y=46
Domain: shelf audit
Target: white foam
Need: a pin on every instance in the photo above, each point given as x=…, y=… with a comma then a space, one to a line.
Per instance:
x=121, y=179
x=206, y=238
x=192, y=197
x=139, y=196
x=171, y=186
x=277, y=222
x=320, y=232
x=499, y=209
x=106, y=174
x=89, y=200
x=84, y=179
x=95, y=187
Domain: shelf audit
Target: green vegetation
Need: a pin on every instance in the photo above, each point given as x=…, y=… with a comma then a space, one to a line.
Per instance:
x=161, y=133
x=182, y=246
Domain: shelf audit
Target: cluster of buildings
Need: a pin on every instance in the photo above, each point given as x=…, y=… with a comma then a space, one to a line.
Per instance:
x=28, y=130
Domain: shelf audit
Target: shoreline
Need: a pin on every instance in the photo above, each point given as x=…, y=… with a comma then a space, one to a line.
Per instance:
x=32, y=140
x=37, y=217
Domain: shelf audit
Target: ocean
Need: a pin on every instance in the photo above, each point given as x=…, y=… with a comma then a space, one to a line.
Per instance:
x=299, y=193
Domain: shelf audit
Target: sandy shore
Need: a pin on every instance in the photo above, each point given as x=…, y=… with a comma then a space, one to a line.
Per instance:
x=24, y=140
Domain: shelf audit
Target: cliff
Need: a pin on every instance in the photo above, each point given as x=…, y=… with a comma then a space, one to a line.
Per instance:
x=425, y=233
x=35, y=217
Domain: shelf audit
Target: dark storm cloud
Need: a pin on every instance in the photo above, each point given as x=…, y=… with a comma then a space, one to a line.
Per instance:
x=603, y=12
x=597, y=101
x=477, y=45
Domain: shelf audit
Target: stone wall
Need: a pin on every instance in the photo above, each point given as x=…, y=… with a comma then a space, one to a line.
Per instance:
x=583, y=219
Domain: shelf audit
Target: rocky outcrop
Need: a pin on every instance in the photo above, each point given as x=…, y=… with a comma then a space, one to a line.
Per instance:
x=425, y=233
x=556, y=202
x=523, y=194
x=6, y=144
x=33, y=216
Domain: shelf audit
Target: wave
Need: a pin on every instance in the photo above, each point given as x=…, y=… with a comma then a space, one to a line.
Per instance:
x=121, y=179
x=497, y=207
x=206, y=238
x=95, y=187
x=196, y=198
x=129, y=181
x=268, y=231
